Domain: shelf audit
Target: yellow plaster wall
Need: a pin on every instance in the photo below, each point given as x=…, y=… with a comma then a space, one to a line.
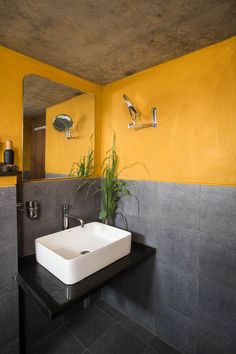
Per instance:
x=195, y=141
x=8, y=181
x=62, y=152
x=13, y=68
x=196, y=99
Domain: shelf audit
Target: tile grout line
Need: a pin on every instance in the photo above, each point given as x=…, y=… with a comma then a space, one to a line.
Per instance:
x=102, y=334
x=75, y=337
x=153, y=333
x=42, y=339
x=128, y=329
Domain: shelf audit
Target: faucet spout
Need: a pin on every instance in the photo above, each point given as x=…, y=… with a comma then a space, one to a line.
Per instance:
x=81, y=222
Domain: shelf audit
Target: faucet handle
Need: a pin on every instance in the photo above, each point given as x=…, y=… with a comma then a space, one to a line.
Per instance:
x=65, y=207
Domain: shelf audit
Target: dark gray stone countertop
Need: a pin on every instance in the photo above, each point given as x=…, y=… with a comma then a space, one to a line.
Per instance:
x=54, y=297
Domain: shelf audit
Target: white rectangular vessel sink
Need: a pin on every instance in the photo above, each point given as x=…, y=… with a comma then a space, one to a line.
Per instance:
x=72, y=255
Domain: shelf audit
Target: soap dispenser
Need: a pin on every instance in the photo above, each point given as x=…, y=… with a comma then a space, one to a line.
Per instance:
x=9, y=153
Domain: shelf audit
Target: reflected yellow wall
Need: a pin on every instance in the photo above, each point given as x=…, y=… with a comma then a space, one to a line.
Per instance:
x=13, y=68
x=62, y=152
x=27, y=146
x=195, y=141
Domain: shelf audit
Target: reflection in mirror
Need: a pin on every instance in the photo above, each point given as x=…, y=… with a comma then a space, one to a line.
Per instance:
x=62, y=122
x=50, y=109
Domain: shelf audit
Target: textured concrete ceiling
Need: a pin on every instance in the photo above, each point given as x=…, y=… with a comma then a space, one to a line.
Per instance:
x=41, y=93
x=105, y=40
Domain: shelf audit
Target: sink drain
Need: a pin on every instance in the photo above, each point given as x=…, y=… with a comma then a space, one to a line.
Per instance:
x=84, y=252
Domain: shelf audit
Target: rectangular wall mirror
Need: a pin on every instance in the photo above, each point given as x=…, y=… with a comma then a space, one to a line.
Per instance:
x=58, y=128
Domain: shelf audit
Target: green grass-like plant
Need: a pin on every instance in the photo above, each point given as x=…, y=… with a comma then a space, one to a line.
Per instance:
x=112, y=189
x=85, y=166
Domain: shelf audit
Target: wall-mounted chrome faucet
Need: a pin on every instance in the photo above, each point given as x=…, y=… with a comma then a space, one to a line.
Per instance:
x=66, y=216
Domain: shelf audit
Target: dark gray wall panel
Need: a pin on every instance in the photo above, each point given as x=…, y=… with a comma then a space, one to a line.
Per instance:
x=9, y=320
x=188, y=298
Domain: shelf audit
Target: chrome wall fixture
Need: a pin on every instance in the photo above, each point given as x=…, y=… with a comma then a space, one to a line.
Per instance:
x=31, y=207
x=135, y=114
x=64, y=123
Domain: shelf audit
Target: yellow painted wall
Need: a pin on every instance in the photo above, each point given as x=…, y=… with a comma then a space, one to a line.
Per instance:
x=8, y=181
x=13, y=68
x=62, y=152
x=196, y=99
x=195, y=141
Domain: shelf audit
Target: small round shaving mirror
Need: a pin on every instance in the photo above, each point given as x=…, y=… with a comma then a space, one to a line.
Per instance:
x=63, y=123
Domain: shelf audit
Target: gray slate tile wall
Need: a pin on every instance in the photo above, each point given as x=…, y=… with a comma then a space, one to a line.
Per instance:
x=187, y=293
x=9, y=320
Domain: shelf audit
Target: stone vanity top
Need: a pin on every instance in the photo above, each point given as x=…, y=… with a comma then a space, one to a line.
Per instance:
x=54, y=297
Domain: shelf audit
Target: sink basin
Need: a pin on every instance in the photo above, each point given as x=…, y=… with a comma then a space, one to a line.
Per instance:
x=72, y=255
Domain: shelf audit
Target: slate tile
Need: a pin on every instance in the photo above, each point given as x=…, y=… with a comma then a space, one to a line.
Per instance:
x=110, y=310
x=145, y=335
x=178, y=246
x=37, y=324
x=49, y=197
x=58, y=342
x=143, y=201
x=150, y=350
x=84, y=201
x=141, y=332
x=76, y=308
x=216, y=208
x=180, y=203
x=177, y=329
x=161, y=347
x=89, y=325
x=9, y=324
x=115, y=293
x=219, y=328
x=8, y=202
x=11, y=348
x=117, y=340
x=8, y=265
x=209, y=345
x=8, y=230
x=217, y=300
x=177, y=290
x=134, y=297
x=141, y=309
x=31, y=232
x=217, y=257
